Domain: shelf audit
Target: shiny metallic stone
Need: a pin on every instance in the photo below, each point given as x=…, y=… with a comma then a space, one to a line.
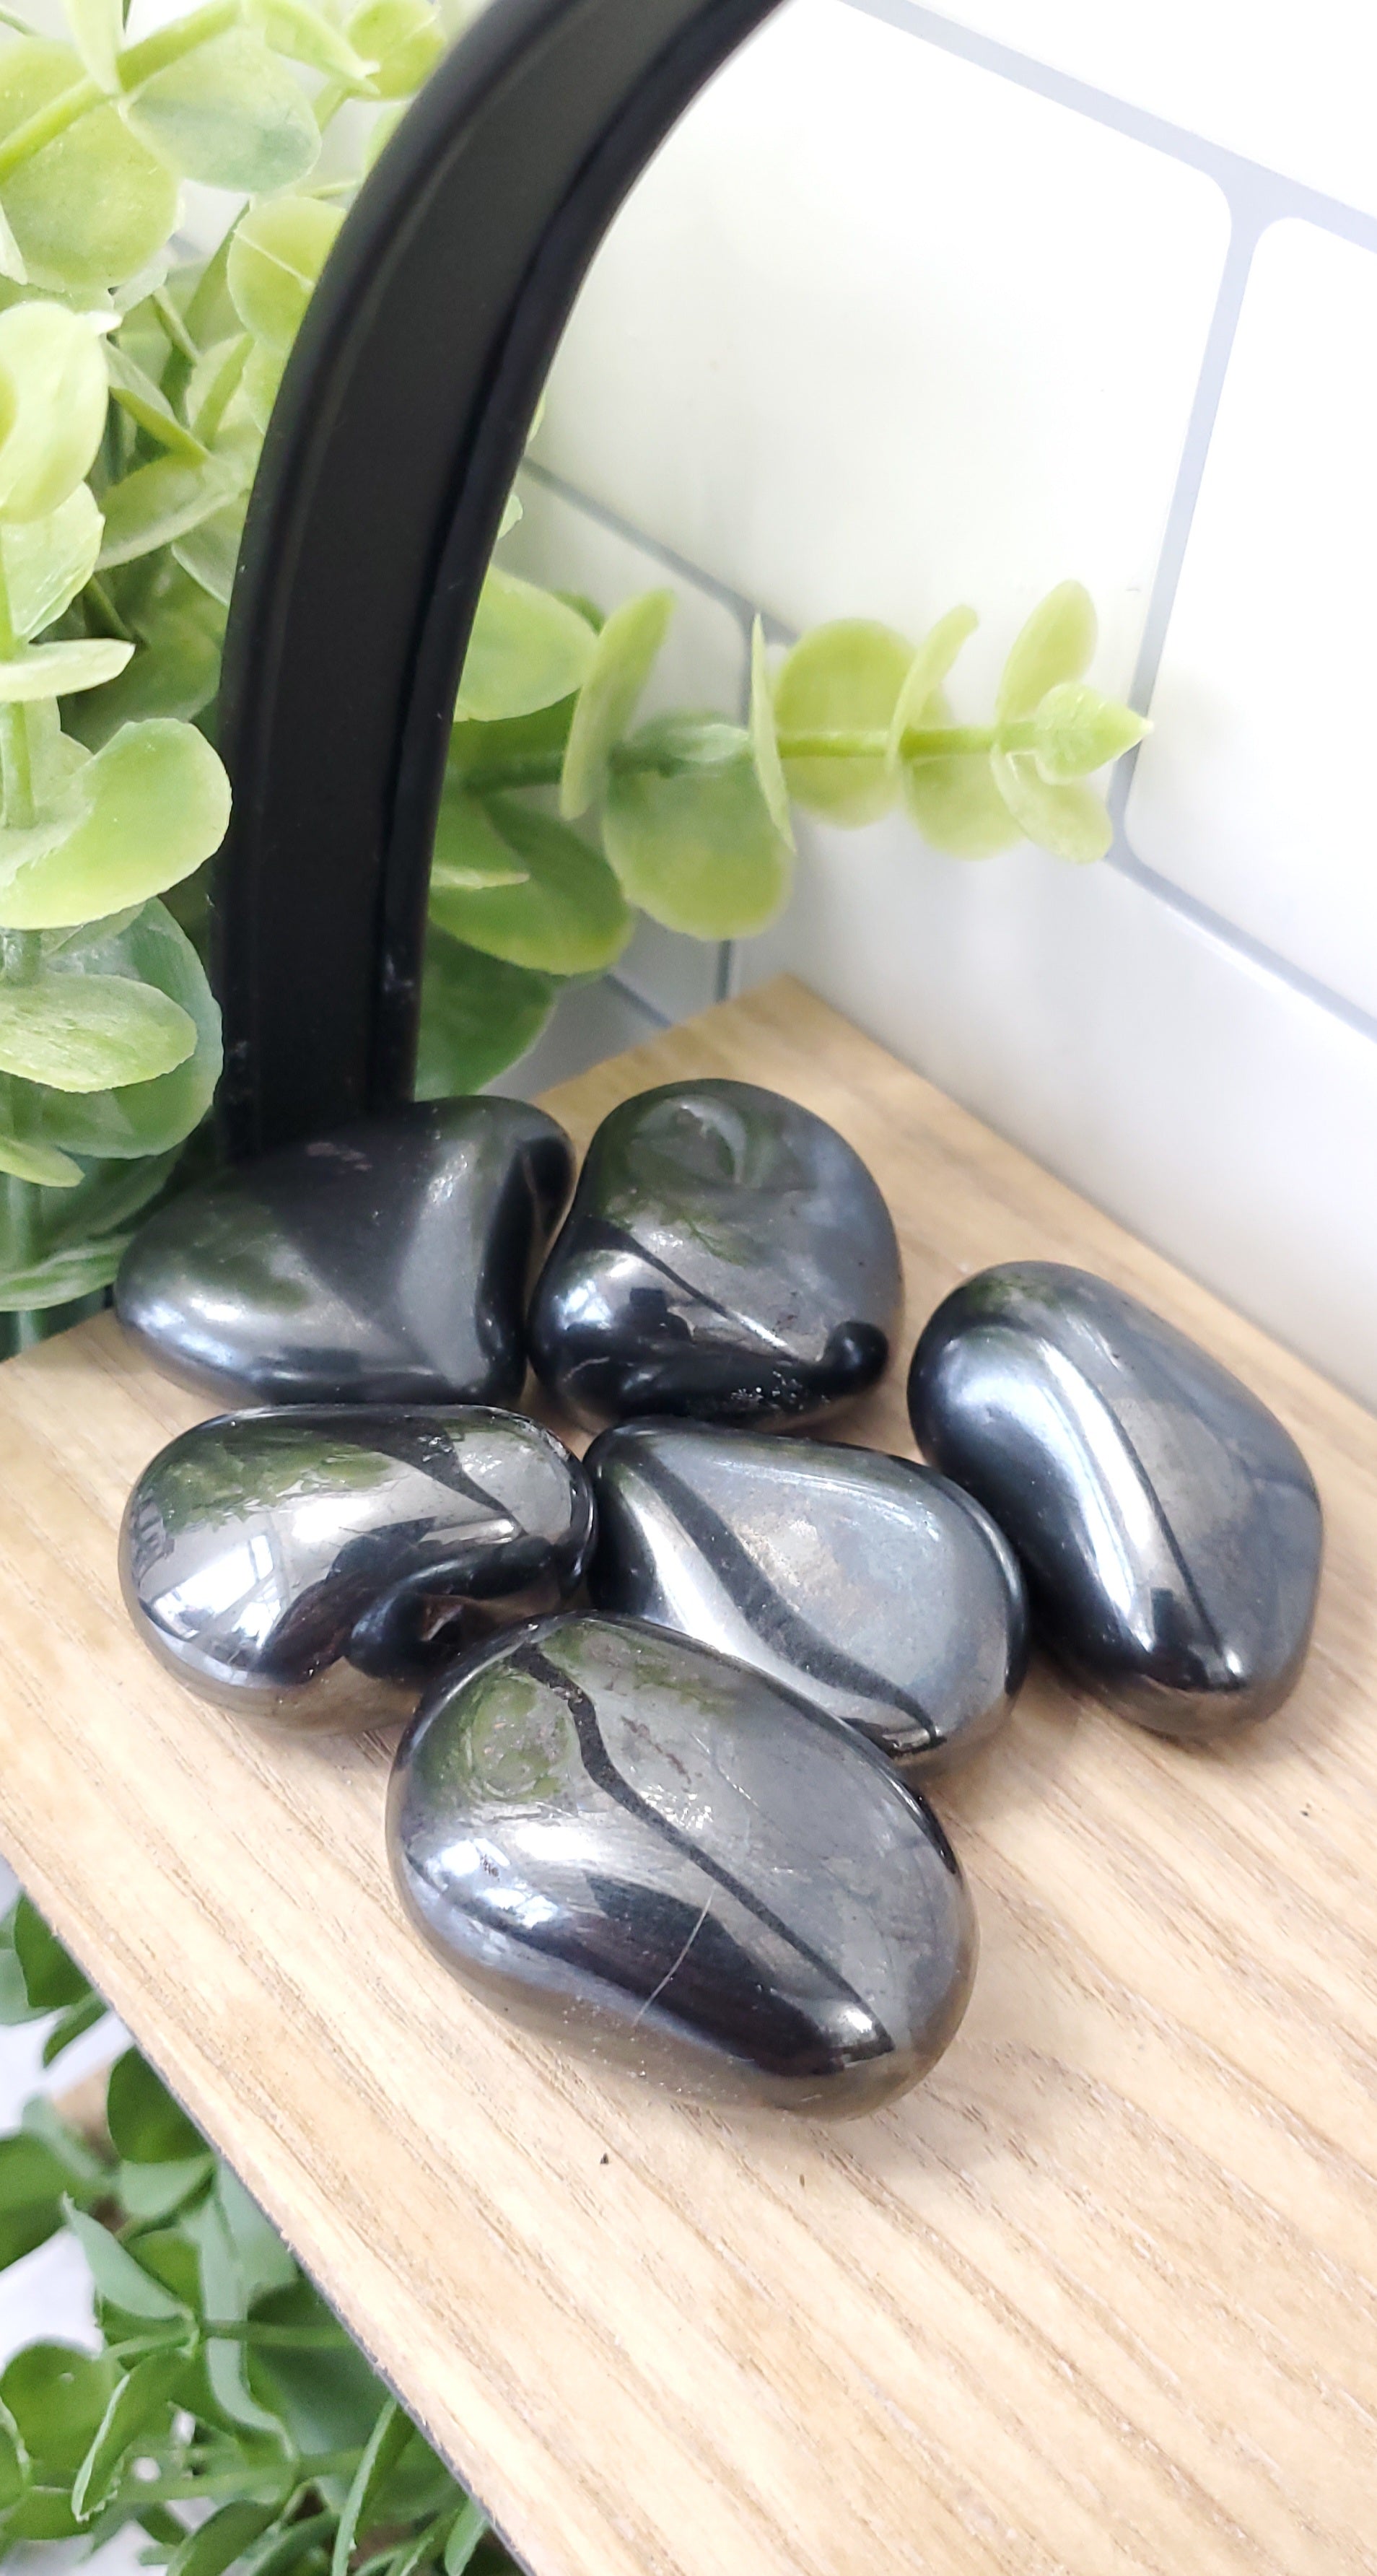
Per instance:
x=869, y=1585
x=313, y=1568
x=727, y=1255
x=1168, y=1526
x=623, y=1840
x=386, y=1263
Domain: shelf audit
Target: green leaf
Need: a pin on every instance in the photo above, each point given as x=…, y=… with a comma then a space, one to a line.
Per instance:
x=48, y=560
x=228, y=2535
x=1079, y=731
x=161, y=502
x=72, y=2025
x=405, y=40
x=1056, y=643
x=29, y=2172
x=143, y=2395
x=56, y=1281
x=94, y=206
x=108, y=1196
x=275, y=257
x=470, y=2525
x=181, y=629
x=143, y=1118
x=153, y=2192
x=224, y=2295
x=383, y=2449
x=1071, y=822
x=538, y=738
x=693, y=842
x=85, y=2171
x=470, y=853
x=307, y=36
x=98, y=26
x=769, y=768
x=569, y=917
x=57, y=2396
x=527, y=650
x=52, y=407
x=52, y=1979
x=55, y=670
x=844, y=677
x=29, y=1160
x=88, y=1032
x=230, y=115
x=42, y=2513
x=11, y=2463
x=623, y=659
x=925, y=674
x=117, y=2275
x=953, y=799
x=478, y=1014
x=214, y=380
x=146, y=2126
x=210, y=552
x=147, y=809
x=145, y=403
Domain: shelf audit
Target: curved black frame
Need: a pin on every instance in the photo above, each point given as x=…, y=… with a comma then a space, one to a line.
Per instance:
x=399, y=427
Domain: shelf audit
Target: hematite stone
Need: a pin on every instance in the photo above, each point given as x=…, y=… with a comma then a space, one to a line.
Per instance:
x=727, y=1255
x=866, y=1583
x=1168, y=1526
x=385, y=1263
x=313, y=1568
x=626, y=1841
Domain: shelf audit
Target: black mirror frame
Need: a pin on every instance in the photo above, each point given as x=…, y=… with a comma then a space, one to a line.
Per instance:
x=400, y=425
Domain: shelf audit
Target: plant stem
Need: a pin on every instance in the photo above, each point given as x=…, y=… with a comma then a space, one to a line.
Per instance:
x=920, y=742
x=47, y=123
x=174, y=326
x=138, y=63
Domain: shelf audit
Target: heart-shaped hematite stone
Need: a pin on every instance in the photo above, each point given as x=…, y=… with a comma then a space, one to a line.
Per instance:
x=866, y=1583
x=727, y=1256
x=626, y=1841
x=313, y=1568
x=385, y=1263
x=1168, y=1526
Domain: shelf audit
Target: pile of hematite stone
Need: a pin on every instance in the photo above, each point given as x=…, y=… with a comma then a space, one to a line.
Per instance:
x=673, y=1712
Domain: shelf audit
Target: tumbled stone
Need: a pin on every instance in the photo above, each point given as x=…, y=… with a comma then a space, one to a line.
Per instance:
x=727, y=1255
x=385, y=1263
x=870, y=1585
x=625, y=1841
x=313, y=1568
x=1169, y=1528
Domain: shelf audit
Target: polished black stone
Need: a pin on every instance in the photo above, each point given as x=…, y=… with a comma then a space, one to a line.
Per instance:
x=871, y=1585
x=313, y=1568
x=727, y=1256
x=1168, y=1526
x=625, y=1841
x=387, y=1263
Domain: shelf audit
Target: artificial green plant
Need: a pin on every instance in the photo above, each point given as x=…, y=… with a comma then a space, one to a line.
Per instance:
x=223, y=2414
x=137, y=374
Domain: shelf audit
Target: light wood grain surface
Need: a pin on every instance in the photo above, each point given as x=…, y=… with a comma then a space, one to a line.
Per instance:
x=1098, y=2300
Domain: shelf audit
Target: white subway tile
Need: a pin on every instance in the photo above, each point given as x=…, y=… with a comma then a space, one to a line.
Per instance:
x=1255, y=791
x=1207, y=1104
x=1292, y=90
x=879, y=331
x=589, y=1022
x=702, y=664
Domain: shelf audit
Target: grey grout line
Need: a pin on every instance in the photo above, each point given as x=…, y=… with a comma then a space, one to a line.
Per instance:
x=1254, y=952
x=1234, y=172
x=649, y=1010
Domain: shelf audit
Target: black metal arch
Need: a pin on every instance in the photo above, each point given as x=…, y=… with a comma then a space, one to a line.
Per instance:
x=398, y=429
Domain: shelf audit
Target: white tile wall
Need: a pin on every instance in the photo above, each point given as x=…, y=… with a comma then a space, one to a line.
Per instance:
x=902, y=315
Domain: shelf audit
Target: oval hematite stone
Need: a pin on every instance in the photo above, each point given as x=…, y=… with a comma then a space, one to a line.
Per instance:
x=727, y=1255
x=867, y=1583
x=625, y=1841
x=385, y=1263
x=314, y=1568
x=1168, y=1526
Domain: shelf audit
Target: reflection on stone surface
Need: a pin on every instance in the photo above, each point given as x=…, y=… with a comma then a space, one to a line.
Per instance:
x=624, y=1841
x=387, y=1263
x=727, y=1256
x=1168, y=1526
x=868, y=1584
x=313, y=1568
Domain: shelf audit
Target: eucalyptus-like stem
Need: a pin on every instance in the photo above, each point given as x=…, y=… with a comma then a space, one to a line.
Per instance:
x=920, y=742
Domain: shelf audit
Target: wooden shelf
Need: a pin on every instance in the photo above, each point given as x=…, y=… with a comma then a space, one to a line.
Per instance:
x=1099, y=2298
